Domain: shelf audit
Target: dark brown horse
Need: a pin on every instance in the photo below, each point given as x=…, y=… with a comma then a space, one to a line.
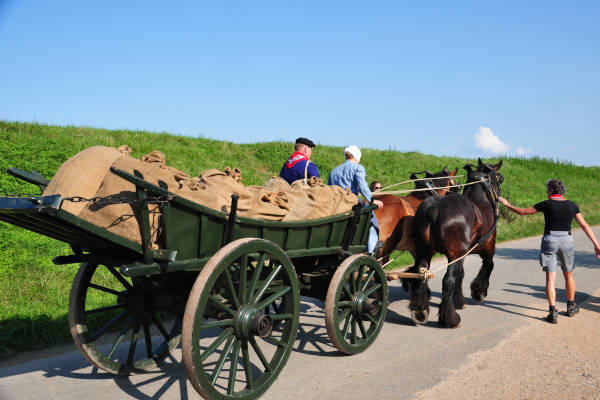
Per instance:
x=396, y=217
x=453, y=226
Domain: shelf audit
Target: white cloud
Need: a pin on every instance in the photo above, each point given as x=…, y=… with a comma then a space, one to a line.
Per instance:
x=486, y=140
x=521, y=152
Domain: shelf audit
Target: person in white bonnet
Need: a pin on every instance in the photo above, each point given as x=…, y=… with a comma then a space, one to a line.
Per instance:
x=352, y=175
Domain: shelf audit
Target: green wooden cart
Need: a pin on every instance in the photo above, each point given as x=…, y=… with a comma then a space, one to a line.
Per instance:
x=226, y=287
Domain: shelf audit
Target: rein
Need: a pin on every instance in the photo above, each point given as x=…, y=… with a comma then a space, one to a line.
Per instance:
x=423, y=189
x=418, y=179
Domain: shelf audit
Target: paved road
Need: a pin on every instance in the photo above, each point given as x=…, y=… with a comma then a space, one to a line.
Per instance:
x=403, y=360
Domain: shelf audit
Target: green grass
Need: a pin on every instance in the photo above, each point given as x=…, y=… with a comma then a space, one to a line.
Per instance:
x=35, y=293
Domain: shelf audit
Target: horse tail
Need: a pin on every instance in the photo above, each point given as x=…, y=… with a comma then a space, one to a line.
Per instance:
x=426, y=216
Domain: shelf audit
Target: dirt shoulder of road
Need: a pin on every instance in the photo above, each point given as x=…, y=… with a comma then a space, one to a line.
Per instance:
x=539, y=361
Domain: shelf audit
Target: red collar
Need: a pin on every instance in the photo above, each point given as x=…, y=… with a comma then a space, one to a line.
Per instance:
x=556, y=197
x=294, y=158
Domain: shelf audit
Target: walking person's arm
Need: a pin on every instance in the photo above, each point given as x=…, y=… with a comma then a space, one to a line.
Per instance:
x=588, y=231
x=521, y=211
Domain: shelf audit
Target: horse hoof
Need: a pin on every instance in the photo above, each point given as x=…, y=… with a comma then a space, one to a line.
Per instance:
x=419, y=317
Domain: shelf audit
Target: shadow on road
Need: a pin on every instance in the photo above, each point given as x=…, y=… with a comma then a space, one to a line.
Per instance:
x=583, y=259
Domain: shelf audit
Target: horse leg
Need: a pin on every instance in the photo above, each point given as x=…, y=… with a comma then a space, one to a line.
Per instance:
x=480, y=284
x=448, y=317
x=457, y=297
x=419, y=294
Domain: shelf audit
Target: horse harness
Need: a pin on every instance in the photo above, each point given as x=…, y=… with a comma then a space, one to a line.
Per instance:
x=493, y=198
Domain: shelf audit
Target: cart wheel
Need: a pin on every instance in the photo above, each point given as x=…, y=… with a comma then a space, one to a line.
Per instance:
x=242, y=314
x=114, y=320
x=356, y=304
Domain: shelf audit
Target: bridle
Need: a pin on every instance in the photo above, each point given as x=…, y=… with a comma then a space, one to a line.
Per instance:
x=491, y=187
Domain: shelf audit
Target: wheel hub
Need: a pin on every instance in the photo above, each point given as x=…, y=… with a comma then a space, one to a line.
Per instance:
x=249, y=322
x=361, y=303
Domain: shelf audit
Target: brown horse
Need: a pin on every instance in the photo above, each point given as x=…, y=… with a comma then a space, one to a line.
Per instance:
x=396, y=217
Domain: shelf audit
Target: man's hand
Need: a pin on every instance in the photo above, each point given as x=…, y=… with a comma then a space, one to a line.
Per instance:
x=378, y=203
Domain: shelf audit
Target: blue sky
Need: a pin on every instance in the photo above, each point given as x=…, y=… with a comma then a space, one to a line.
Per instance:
x=455, y=78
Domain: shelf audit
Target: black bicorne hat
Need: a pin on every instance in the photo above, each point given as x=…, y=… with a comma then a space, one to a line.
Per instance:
x=306, y=142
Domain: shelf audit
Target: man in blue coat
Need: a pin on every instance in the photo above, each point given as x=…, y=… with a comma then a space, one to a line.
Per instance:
x=299, y=166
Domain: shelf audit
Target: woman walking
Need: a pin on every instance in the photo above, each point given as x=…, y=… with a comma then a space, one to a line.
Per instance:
x=557, y=242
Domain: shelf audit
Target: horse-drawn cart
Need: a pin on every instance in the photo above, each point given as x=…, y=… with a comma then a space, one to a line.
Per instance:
x=227, y=287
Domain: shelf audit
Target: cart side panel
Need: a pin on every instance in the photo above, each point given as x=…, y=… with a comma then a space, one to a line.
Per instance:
x=182, y=228
x=336, y=235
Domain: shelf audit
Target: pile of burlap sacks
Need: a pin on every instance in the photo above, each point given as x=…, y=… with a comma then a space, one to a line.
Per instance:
x=87, y=174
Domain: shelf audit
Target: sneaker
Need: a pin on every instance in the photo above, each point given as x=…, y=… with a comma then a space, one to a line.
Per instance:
x=552, y=317
x=572, y=310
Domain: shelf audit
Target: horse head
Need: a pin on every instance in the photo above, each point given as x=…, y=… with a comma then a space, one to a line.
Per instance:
x=487, y=174
x=439, y=182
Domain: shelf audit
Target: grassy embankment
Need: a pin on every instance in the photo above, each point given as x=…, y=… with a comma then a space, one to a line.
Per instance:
x=35, y=293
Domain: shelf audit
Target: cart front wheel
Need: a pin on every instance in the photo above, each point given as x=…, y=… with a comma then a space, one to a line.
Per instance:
x=240, y=320
x=120, y=325
x=356, y=304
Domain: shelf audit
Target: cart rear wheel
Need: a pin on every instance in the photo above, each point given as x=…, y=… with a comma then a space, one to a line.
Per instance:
x=356, y=304
x=241, y=320
x=120, y=325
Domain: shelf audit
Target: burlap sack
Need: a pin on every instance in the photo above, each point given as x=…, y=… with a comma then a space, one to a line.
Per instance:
x=82, y=174
x=277, y=184
x=87, y=174
x=122, y=219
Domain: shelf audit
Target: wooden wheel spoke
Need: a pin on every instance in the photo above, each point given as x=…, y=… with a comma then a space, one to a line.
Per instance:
x=221, y=361
x=234, y=295
x=148, y=339
x=256, y=275
x=243, y=279
x=352, y=284
x=260, y=354
x=107, y=327
x=211, y=349
x=347, y=324
x=353, y=329
x=120, y=338
x=266, y=284
x=347, y=291
x=370, y=318
x=234, y=366
x=160, y=326
x=222, y=306
x=247, y=365
x=280, y=317
x=102, y=309
x=343, y=315
x=274, y=341
x=361, y=326
x=371, y=275
x=359, y=274
x=372, y=289
x=120, y=278
x=224, y=323
x=280, y=293
x=133, y=343
x=343, y=304
x=105, y=289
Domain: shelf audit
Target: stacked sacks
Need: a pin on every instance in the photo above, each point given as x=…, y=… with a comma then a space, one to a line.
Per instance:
x=87, y=174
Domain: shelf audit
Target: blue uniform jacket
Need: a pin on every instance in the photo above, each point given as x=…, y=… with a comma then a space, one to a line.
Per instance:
x=296, y=171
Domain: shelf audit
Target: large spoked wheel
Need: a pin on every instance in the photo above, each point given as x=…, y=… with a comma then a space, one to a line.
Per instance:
x=241, y=320
x=121, y=325
x=356, y=304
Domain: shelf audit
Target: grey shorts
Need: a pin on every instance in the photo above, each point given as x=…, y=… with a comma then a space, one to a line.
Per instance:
x=557, y=245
